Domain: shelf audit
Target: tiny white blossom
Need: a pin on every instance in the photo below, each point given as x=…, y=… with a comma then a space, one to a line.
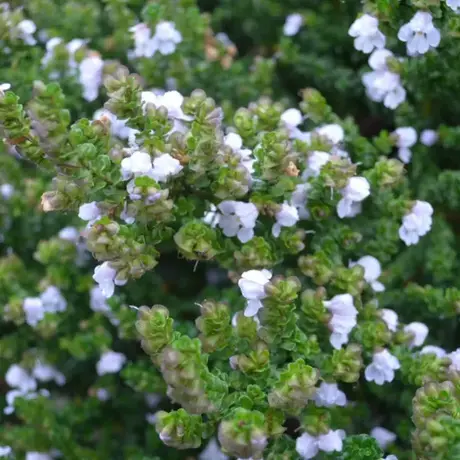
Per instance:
x=91, y=75
x=34, y=310
x=420, y=34
x=417, y=223
x=406, y=137
x=372, y=272
x=52, y=299
x=367, y=35
x=26, y=29
x=6, y=190
x=454, y=5
x=315, y=162
x=382, y=369
x=166, y=37
x=383, y=436
x=390, y=457
x=171, y=100
x=252, y=284
x=293, y=24
x=164, y=167
x=308, y=446
x=333, y=132
x=419, y=332
x=356, y=190
x=5, y=451
x=299, y=200
x=438, y=351
x=69, y=234
x=46, y=373
x=38, y=456
x=287, y=216
x=455, y=358
x=328, y=395
x=234, y=141
x=428, y=137
x=291, y=118
x=144, y=46
x=4, y=87
x=17, y=377
x=138, y=164
x=117, y=127
x=110, y=363
x=390, y=318
x=238, y=219
x=105, y=276
x=343, y=318
x=212, y=452
x=89, y=212
x=383, y=85
x=102, y=394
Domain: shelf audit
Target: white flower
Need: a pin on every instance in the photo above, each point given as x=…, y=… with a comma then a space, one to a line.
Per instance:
x=367, y=35
x=390, y=318
x=4, y=87
x=52, y=300
x=356, y=190
x=117, y=127
x=50, y=46
x=420, y=34
x=453, y=4
x=308, y=446
x=102, y=394
x=17, y=377
x=164, y=167
x=419, y=332
x=252, y=284
x=6, y=190
x=110, y=363
x=315, y=162
x=417, y=223
x=428, y=137
x=390, y=457
x=171, y=100
x=212, y=452
x=328, y=395
x=33, y=309
x=38, y=456
x=166, y=37
x=287, y=216
x=343, y=318
x=46, y=373
x=299, y=200
x=372, y=272
x=26, y=29
x=72, y=47
x=438, y=351
x=292, y=24
x=234, y=141
x=383, y=436
x=91, y=75
x=383, y=85
x=455, y=358
x=144, y=46
x=382, y=369
x=89, y=212
x=333, y=132
x=5, y=451
x=238, y=219
x=138, y=164
x=105, y=276
x=69, y=234
x=406, y=137
x=291, y=118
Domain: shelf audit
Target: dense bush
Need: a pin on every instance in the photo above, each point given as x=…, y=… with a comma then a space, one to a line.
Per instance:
x=229, y=229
